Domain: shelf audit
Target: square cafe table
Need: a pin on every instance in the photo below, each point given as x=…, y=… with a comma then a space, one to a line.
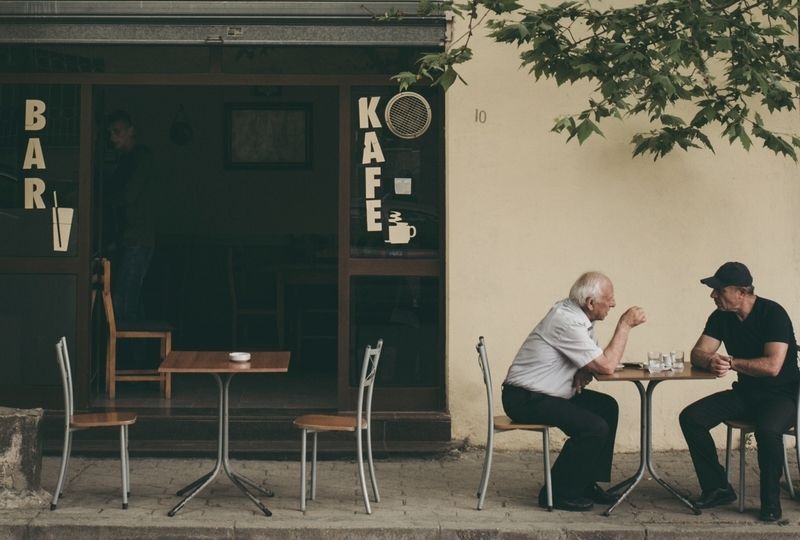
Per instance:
x=637, y=376
x=217, y=364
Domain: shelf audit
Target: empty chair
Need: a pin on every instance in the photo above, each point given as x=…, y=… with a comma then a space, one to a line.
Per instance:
x=360, y=423
x=746, y=427
x=76, y=422
x=501, y=424
x=132, y=330
x=256, y=293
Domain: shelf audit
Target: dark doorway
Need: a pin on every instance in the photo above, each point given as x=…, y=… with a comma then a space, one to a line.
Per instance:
x=246, y=235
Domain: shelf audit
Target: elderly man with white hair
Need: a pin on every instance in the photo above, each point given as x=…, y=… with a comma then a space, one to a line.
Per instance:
x=545, y=385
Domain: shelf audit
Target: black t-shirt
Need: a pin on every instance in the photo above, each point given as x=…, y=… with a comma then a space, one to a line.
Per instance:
x=767, y=322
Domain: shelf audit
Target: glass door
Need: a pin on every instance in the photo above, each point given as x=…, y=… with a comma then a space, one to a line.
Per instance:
x=395, y=262
x=42, y=173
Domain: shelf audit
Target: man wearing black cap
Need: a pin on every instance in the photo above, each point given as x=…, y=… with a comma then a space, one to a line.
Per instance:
x=760, y=342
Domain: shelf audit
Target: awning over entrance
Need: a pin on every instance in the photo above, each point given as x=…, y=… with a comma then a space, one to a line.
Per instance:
x=237, y=22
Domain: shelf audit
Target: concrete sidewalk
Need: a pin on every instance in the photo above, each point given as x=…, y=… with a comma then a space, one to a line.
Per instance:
x=420, y=498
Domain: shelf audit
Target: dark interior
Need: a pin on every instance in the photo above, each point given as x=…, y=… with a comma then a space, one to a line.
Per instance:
x=233, y=234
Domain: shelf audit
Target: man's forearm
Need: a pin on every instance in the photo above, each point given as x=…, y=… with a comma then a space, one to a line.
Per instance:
x=763, y=366
x=701, y=359
x=615, y=348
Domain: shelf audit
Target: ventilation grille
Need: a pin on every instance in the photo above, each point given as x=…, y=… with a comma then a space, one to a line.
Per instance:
x=408, y=115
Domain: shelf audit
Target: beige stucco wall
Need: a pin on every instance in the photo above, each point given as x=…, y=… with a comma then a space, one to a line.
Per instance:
x=527, y=213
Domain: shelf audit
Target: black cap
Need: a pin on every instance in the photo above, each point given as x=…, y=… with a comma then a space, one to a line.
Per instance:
x=730, y=274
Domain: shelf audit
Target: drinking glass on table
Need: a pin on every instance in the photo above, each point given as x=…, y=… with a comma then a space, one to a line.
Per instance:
x=666, y=361
x=654, y=361
x=677, y=360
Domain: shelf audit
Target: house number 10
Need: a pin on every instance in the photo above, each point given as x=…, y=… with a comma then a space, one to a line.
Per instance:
x=480, y=116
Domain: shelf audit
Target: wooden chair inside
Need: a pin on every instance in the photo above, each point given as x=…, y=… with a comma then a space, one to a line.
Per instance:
x=118, y=330
x=76, y=422
x=256, y=293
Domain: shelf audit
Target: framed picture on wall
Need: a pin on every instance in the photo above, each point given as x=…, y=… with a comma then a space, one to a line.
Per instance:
x=259, y=135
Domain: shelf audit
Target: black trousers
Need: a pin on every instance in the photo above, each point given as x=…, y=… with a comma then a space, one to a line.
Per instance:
x=590, y=421
x=772, y=415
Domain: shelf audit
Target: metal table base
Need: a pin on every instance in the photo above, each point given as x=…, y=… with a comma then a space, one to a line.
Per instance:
x=646, y=453
x=222, y=462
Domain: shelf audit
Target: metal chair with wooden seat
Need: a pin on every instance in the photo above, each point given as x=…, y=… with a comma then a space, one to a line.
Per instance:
x=77, y=422
x=159, y=330
x=503, y=424
x=358, y=424
x=746, y=427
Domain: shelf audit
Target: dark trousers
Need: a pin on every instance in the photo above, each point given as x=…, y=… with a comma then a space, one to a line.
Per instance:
x=590, y=421
x=127, y=279
x=772, y=415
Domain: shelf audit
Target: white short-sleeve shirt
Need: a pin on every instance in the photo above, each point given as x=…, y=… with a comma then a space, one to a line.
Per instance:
x=561, y=344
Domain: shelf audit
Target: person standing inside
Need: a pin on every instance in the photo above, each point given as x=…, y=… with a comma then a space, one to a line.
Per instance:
x=133, y=198
x=545, y=384
x=760, y=342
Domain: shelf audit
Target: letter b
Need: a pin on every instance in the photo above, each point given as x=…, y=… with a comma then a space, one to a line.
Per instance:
x=34, y=115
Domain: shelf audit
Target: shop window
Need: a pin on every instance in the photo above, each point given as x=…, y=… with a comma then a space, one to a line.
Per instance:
x=404, y=311
x=396, y=181
x=28, y=338
x=39, y=167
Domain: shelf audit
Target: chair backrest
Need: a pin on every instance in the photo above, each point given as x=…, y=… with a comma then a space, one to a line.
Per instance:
x=108, y=304
x=253, y=279
x=372, y=356
x=483, y=362
x=62, y=355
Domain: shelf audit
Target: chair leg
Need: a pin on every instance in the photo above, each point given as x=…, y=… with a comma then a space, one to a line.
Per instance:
x=128, y=459
x=62, y=473
x=797, y=450
x=361, y=478
x=314, y=468
x=123, y=461
x=741, y=469
x=303, y=471
x=786, y=473
x=548, y=481
x=487, y=467
x=166, y=378
x=111, y=367
x=371, y=464
x=728, y=443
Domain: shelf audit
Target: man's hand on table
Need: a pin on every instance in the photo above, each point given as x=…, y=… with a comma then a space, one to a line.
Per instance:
x=719, y=364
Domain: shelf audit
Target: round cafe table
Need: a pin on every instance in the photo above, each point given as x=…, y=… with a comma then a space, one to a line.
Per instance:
x=640, y=376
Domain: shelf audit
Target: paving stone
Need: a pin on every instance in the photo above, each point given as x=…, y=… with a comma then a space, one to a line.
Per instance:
x=420, y=499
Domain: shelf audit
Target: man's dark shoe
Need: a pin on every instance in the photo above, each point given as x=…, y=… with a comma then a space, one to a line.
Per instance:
x=770, y=513
x=716, y=497
x=600, y=496
x=570, y=504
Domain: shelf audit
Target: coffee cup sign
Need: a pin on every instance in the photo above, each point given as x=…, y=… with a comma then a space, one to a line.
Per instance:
x=401, y=233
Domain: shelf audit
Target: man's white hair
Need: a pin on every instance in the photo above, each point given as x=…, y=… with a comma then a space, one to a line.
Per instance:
x=587, y=286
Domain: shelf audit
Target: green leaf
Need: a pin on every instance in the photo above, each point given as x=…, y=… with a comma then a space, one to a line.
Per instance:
x=669, y=120
x=447, y=78
x=723, y=44
x=585, y=129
